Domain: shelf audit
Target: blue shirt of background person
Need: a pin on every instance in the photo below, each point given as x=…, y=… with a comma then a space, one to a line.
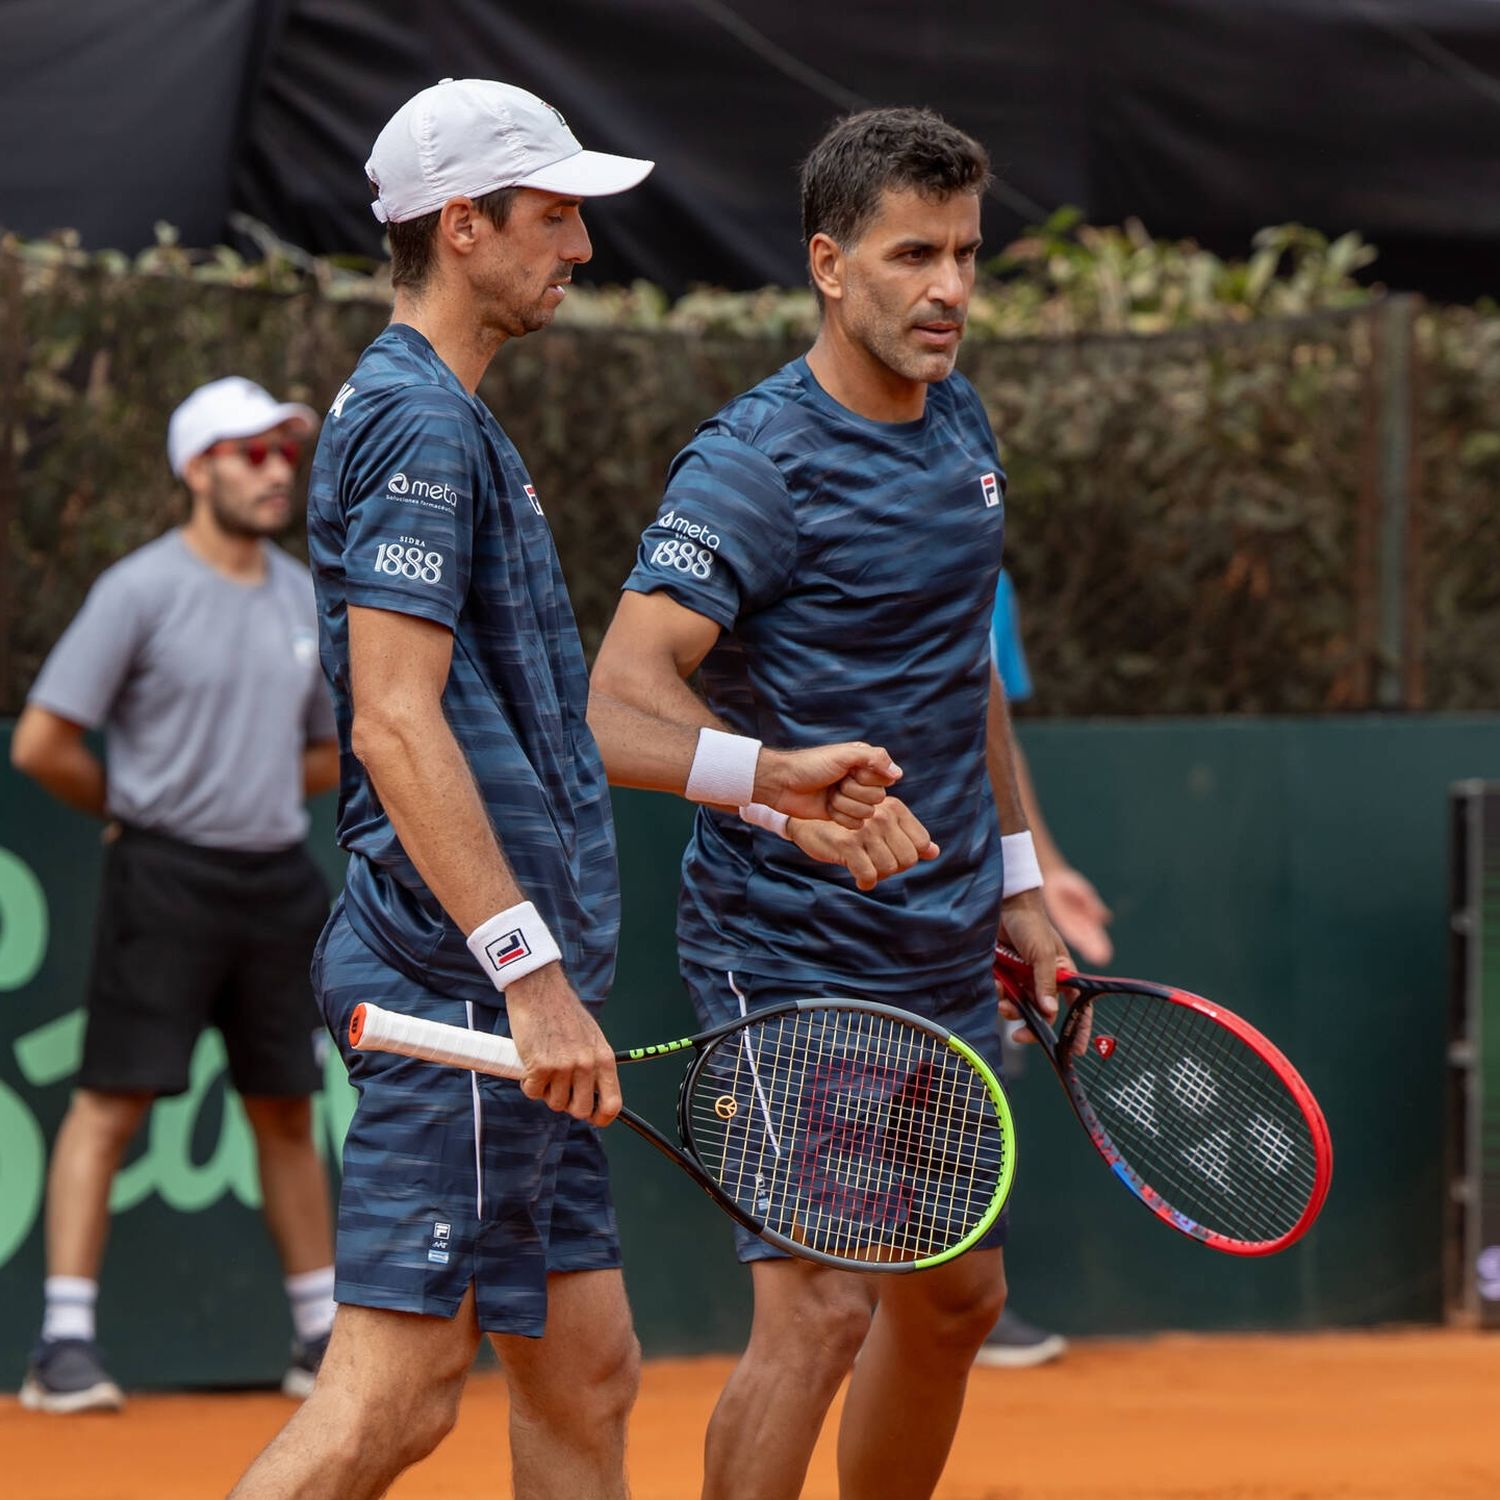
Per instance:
x=1005, y=643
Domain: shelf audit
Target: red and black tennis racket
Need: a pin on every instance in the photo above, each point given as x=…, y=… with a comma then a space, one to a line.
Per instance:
x=1196, y=1112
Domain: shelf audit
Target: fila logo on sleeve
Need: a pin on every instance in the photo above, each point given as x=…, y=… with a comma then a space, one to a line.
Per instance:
x=508, y=948
x=536, y=504
x=991, y=488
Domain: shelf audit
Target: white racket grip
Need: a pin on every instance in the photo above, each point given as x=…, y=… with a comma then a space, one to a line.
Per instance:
x=374, y=1029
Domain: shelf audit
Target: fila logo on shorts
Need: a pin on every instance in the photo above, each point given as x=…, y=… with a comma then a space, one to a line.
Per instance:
x=509, y=948
x=991, y=488
x=536, y=504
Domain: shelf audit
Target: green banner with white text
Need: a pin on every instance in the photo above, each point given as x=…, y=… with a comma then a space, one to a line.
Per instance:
x=1294, y=869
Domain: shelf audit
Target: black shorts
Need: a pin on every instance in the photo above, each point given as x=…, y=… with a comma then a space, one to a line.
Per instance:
x=189, y=937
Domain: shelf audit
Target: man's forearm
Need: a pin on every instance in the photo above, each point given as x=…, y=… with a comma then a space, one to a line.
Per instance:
x=649, y=741
x=650, y=727
x=427, y=790
x=1049, y=856
x=1001, y=754
x=74, y=776
x=320, y=767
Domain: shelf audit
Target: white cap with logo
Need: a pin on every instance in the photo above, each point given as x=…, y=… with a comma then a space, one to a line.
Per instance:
x=229, y=408
x=466, y=137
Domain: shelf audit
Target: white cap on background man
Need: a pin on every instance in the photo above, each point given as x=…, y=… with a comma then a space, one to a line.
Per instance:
x=465, y=137
x=229, y=408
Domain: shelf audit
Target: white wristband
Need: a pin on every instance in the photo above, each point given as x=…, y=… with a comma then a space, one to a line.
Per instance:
x=513, y=943
x=1022, y=872
x=758, y=815
x=723, y=769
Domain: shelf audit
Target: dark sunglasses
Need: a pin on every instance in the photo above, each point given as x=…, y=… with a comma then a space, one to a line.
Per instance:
x=256, y=451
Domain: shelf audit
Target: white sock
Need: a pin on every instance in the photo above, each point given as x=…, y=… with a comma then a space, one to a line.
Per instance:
x=311, y=1296
x=69, y=1312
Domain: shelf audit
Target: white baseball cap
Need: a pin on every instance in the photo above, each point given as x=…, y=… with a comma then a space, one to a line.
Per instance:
x=466, y=137
x=230, y=408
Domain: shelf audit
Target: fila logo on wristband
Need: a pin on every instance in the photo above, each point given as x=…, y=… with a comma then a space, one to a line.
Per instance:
x=508, y=948
x=512, y=944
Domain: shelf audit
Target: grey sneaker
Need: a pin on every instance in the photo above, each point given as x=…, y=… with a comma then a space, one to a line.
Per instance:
x=1014, y=1344
x=307, y=1359
x=65, y=1375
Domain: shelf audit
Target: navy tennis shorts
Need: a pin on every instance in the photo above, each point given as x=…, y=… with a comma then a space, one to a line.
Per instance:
x=453, y=1179
x=968, y=1010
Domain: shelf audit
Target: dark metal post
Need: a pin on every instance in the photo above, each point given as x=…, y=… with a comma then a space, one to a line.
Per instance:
x=1395, y=371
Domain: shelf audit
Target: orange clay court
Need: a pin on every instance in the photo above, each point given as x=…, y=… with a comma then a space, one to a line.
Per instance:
x=1391, y=1415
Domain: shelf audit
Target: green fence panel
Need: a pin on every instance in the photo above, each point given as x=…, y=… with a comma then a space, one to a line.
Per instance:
x=1293, y=869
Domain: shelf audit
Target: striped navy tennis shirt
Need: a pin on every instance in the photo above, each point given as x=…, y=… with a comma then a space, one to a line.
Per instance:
x=851, y=565
x=419, y=503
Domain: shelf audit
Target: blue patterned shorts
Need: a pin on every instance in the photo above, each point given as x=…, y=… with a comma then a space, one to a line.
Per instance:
x=968, y=1010
x=452, y=1179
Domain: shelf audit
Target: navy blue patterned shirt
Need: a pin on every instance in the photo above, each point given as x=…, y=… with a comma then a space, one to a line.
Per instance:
x=852, y=566
x=419, y=503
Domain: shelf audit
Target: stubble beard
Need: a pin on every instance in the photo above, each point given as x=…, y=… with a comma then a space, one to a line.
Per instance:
x=886, y=334
x=506, y=311
x=241, y=525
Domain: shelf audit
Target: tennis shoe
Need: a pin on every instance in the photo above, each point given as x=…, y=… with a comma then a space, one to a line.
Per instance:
x=307, y=1359
x=66, y=1375
x=1014, y=1344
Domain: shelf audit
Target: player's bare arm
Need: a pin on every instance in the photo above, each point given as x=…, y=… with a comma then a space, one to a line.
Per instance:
x=398, y=666
x=1024, y=923
x=51, y=750
x=646, y=719
x=320, y=767
x=1075, y=906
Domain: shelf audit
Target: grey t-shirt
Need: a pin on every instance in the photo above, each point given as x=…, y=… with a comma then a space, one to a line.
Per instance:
x=207, y=689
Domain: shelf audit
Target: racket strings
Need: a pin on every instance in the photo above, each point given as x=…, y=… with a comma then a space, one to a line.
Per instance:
x=1198, y=1115
x=849, y=1131
x=1232, y=1129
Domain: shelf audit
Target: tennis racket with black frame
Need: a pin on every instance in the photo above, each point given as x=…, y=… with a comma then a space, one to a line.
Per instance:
x=845, y=1132
x=1195, y=1111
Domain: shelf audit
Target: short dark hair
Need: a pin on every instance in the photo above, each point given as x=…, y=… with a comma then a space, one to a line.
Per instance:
x=412, y=239
x=862, y=155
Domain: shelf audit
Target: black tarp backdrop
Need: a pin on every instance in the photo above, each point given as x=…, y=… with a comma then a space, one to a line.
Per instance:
x=1202, y=117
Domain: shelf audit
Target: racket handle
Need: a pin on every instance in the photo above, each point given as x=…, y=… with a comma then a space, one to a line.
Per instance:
x=373, y=1029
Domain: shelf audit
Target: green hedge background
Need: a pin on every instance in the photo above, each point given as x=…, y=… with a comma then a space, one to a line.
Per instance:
x=1236, y=487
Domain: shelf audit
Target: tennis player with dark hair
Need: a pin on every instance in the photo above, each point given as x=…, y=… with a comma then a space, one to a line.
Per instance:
x=826, y=555
x=481, y=887
x=197, y=657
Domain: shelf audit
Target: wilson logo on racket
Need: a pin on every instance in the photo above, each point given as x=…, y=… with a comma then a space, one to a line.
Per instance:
x=843, y=1131
x=1104, y=1045
x=507, y=949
